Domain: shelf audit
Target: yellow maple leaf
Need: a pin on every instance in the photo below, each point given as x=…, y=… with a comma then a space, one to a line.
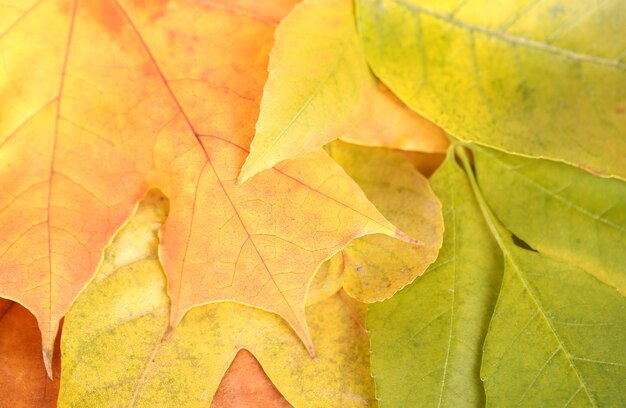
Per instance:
x=116, y=350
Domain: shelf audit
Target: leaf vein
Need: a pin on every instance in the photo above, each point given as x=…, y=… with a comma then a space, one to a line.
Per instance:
x=517, y=40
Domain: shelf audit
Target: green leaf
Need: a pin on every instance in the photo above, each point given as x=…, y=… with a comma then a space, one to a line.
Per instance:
x=375, y=267
x=539, y=78
x=427, y=339
x=556, y=336
x=559, y=210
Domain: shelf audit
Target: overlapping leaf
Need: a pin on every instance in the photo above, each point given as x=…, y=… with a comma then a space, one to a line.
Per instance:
x=556, y=337
x=556, y=334
x=320, y=88
x=129, y=307
x=114, y=97
x=427, y=339
x=540, y=78
x=560, y=211
x=374, y=268
x=556, y=331
x=245, y=384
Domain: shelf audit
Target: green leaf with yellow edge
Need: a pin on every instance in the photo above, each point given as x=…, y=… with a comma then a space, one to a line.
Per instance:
x=557, y=334
x=320, y=88
x=427, y=339
x=375, y=267
x=538, y=78
x=116, y=351
x=559, y=210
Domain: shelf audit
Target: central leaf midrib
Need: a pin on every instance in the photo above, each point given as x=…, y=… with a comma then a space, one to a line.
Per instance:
x=452, y=302
x=543, y=313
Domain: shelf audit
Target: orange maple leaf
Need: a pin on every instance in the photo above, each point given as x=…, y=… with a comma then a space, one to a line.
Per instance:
x=102, y=100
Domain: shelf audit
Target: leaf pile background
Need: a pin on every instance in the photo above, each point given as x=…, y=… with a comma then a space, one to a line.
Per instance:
x=228, y=203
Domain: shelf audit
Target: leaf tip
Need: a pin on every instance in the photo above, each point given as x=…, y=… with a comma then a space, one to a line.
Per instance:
x=48, y=354
x=242, y=179
x=167, y=335
x=245, y=174
x=311, y=351
x=255, y=164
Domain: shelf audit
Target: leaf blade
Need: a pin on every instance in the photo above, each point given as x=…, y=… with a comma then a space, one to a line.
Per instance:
x=117, y=349
x=153, y=109
x=294, y=99
x=559, y=210
x=510, y=73
x=427, y=328
x=546, y=367
x=375, y=267
x=128, y=304
x=320, y=89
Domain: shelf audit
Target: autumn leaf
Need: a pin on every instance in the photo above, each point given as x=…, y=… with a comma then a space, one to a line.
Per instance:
x=129, y=307
x=374, y=268
x=23, y=379
x=128, y=95
x=226, y=203
x=320, y=88
x=545, y=79
x=556, y=337
x=425, y=163
x=385, y=121
x=555, y=209
x=427, y=339
x=553, y=336
x=556, y=334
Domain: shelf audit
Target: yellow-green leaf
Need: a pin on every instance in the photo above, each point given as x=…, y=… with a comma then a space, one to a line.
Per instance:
x=116, y=350
x=556, y=338
x=559, y=210
x=375, y=267
x=539, y=78
x=557, y=334
x=427, y=339
x=317, y=76
x=320, y=88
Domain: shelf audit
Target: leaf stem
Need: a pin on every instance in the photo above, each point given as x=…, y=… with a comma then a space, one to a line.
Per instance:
x=492, y=222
